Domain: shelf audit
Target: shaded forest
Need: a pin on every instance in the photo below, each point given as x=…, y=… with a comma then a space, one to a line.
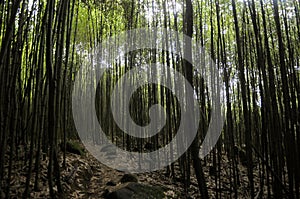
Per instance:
x=48, y=45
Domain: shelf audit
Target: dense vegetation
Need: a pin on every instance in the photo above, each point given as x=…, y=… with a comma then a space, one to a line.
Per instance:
x=254, y=44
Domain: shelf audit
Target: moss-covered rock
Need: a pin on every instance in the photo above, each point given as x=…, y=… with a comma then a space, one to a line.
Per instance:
x=74, y=147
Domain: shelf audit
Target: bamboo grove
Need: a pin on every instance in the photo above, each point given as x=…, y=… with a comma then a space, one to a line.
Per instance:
x=254, y=44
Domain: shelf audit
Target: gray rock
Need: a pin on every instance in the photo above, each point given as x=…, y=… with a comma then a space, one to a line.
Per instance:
x=128, y=178
x=136, y=190
x=111, y=183
x=107, y=148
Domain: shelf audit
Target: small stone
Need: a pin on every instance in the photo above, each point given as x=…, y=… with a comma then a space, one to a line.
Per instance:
x=107, y=148
x=111, y=183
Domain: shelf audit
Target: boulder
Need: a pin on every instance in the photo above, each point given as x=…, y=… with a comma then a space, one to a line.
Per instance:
x=136, y=190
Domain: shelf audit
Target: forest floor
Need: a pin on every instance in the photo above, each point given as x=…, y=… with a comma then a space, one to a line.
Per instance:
x=85, y=177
